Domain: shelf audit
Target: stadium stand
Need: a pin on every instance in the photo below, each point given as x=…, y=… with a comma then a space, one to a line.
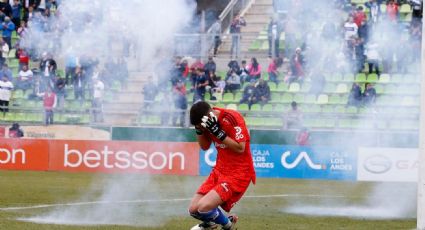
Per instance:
x=397, y=93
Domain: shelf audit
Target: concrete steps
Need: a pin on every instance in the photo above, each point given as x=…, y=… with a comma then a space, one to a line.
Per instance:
x=125, y=105
x=257, y=18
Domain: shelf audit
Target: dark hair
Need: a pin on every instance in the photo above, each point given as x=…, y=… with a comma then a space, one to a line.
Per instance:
x=197, y=111
x=254, y=63
x=293, y=104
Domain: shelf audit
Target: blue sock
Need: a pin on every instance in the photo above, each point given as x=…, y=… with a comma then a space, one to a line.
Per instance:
x=221, y=219
x=215, y=215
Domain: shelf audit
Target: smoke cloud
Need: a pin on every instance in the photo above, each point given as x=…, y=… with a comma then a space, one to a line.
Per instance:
x=384, y=201
x=102, y=29
x=317, y=27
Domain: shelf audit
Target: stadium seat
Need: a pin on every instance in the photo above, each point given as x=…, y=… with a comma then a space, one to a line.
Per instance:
x=310, y=123
x=329, y=78
x=20, y=117
x=12, y=54
x=85, y=119
x=299, y=97
x=361, y=77
x=351, y=109
x=19, y=94
x=10, y=116
x=220, y=105
x=306, y=86
x=272, y=86
x=280, y=108
x=238, y=96
x=256, y=107
x=228, y=97
x=391, y=89
x=243, y=107
x=267, y=108
x=406, y=17
x=325, y=123
x=329, y=88
x=386, y=100
x=286, y=98
x=379, y=89
x=310, y=99
x=150, y=120
x=339, y=109
x=265, y=77
x=337, y=77
x=282, y=87
x=384, y=78
x=255, y=46
x=30, y=104
x=322, y=99
x=294, y=87
x=405, y=9
x=232, y=106
x=348, y=77
x=13, y=63
x=34, y=117
x=344, y=123
x=327, y=109
x=74, y=106
x=335, y=99
x=275, y=97
x=372, y=78
x=341, y=88
x=383, y=8
x=313, y=108
x=358, y=2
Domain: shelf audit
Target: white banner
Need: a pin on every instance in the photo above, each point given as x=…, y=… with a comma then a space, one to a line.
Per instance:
x=387, y=164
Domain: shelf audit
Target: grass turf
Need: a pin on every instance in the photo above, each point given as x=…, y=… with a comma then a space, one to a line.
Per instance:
x=19, y=188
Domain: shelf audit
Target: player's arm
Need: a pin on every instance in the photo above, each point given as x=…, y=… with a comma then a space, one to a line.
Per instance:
x=203, y=140
x=238, y=147
x=211, y=124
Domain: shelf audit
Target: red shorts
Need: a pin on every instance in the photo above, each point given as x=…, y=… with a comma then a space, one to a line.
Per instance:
x=229, y=190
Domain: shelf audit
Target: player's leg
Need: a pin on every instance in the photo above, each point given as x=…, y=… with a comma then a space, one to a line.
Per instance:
x=193, y=211
x=193, y=207
x=208, y=208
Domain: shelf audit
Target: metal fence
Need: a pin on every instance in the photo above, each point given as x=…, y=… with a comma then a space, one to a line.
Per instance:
x=201, y=44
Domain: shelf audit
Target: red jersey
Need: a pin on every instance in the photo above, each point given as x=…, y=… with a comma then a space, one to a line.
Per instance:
x=359, y=16
x=49, y=101
x=233, y=165
x=392, y=11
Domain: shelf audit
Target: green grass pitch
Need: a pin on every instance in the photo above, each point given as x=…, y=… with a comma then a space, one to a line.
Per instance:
x=256, y=211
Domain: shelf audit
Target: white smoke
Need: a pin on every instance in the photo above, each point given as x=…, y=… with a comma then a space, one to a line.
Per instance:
x=307, y=20
x=133, y=200
x=385, y=201
x=102, y=29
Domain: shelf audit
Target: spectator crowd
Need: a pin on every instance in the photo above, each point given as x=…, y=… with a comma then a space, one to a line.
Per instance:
x=38, y=76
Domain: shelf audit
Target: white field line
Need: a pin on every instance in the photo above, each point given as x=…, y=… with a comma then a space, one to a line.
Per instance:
x=159, y=201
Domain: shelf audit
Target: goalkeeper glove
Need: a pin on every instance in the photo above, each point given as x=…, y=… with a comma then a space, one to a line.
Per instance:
x=212, y=125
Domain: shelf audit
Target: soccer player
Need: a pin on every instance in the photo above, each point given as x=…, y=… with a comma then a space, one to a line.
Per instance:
x=234, y=168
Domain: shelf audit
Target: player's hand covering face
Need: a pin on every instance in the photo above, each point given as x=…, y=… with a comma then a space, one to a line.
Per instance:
x=211, y=124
